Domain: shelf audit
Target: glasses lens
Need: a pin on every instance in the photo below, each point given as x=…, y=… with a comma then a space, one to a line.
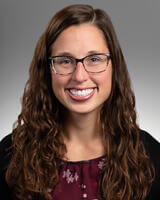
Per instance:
x=96, y=63
x=64, y=64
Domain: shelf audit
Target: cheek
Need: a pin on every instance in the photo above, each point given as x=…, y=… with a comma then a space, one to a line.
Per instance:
x=108, y=77
x=105, y=84
x=56, y=84
x=57, y=88
x=104, y=80
x=59, y=83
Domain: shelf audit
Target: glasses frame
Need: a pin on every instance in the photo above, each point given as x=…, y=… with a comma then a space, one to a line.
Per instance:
x=79, y=60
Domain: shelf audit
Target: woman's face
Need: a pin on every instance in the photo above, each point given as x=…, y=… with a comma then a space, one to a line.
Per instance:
x=78, y=41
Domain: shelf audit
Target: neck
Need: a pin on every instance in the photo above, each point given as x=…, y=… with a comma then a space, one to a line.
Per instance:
x=82, y=128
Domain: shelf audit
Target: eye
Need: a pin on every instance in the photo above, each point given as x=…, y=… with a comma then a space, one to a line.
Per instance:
x=64, y=61
x=94, y=59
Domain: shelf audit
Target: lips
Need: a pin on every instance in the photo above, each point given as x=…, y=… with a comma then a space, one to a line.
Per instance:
x=83, y=94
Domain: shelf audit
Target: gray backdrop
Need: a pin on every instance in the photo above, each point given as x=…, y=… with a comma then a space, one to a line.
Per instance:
x=137, y=23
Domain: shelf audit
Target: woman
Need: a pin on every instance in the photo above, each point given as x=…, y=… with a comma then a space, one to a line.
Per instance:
x=77, y=136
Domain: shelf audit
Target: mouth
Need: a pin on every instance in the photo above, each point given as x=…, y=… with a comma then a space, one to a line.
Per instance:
x=81, y=94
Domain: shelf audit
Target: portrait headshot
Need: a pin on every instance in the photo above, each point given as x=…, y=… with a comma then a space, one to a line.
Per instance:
x=84, y=80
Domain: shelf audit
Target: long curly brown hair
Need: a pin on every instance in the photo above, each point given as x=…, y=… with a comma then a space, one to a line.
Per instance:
x=37, y=144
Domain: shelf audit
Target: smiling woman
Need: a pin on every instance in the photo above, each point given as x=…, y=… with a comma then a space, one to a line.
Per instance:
x=77, y=136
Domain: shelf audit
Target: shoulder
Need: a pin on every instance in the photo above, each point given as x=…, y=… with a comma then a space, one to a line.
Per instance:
x=5, y=152
x=5, y=142
x=148, y=139
x=153, y=149
x=151, y=144
x=5, y=155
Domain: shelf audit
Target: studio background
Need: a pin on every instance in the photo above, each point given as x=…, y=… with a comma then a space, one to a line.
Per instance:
x=137, y=24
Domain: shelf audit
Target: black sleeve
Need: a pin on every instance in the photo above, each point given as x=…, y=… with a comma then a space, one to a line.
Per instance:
x=153, y=150
x=5, y=155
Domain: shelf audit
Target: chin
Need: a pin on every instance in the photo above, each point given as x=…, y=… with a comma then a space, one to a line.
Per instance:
x=83, y=109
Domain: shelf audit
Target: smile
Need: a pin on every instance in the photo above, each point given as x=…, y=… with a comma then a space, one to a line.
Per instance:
x=81, y=94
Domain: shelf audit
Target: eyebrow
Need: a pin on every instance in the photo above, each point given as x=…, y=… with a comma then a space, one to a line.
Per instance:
x=65, y=53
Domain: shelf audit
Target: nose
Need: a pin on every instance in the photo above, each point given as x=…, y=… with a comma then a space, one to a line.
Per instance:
x=80, y=74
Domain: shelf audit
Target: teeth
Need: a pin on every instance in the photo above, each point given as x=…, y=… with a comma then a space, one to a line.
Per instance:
x=81, y=93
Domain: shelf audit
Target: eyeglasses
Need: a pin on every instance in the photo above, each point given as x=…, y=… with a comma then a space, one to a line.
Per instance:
x=94, y=63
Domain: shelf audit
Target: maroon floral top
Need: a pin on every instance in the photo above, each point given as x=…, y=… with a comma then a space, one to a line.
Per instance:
x=79, y=179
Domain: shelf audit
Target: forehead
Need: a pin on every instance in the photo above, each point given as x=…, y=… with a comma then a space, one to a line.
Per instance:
x=79, y=38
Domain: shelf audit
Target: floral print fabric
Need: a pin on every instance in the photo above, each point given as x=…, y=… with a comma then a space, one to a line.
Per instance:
x=79, y=180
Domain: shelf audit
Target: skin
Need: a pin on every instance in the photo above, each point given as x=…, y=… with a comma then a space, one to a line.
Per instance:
x=81, y=131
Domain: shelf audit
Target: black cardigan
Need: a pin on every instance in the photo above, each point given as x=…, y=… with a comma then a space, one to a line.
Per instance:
x=151, y=144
